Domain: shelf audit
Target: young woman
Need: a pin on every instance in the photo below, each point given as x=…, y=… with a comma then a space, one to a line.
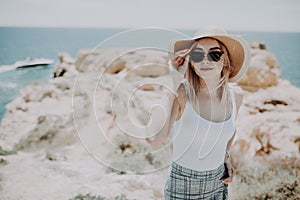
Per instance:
x=203, y=114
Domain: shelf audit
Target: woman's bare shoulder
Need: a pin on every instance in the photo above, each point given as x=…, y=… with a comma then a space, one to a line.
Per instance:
x=238, y=93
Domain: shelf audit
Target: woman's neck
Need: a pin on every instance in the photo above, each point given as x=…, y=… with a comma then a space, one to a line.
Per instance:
x=210, y=87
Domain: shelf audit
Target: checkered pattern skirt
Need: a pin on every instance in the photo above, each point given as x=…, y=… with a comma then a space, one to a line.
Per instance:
x=183, y=183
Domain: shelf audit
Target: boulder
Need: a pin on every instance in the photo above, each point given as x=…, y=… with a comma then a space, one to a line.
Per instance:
x=263, y=71
x=65, y=67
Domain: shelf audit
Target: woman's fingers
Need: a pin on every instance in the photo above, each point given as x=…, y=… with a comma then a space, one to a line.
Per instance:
x=179, y=57
x=177, y=62
x=180, y=60
x=230, y=173
x=183, y=52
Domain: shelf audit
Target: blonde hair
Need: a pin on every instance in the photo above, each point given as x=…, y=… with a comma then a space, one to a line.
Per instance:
x=193, y=78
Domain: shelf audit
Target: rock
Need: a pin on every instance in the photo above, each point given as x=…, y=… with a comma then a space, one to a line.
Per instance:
x=65, y=58
x=64, y=69
x=98, y=59
x=297, y=141
x=147, y=88
x=257, y=45
x=152, y=70
x=43, y=131
x=263, y=71
x=43, y=123
x=264, y=140
x=144, y=62
x=36, y=93
x=115, y=67
x=66, y=66
x=268, y=121
x=6, y=152
x=62, y=83
x=17, y=104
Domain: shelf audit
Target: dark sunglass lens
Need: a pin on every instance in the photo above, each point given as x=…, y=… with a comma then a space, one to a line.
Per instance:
x=197, y=56
x=214, y=56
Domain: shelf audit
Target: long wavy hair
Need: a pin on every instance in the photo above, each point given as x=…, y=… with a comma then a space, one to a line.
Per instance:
x=195, y=81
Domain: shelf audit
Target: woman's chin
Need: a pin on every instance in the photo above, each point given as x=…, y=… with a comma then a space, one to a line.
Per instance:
x=208, y=73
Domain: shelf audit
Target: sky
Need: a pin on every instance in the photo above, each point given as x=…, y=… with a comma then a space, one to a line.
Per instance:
x=239, y=15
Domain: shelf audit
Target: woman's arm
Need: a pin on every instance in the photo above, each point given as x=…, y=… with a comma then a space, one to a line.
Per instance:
x=175, y=114
x=239, y=99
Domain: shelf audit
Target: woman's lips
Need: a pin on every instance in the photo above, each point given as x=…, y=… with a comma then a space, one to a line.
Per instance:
x=206, y=69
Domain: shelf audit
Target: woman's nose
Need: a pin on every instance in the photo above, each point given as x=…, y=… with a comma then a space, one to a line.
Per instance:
x=205, y=60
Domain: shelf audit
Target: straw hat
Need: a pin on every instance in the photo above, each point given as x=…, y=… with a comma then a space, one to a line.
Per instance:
x=238, y=49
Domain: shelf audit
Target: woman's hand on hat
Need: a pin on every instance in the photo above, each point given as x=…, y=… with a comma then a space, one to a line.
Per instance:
x=177, y=62
x=179, y=58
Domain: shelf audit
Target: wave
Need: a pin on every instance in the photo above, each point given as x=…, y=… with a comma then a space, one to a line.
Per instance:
x=8, y=85
x=5, y=68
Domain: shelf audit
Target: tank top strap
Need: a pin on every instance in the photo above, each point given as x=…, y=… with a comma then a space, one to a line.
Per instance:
x=234, y=109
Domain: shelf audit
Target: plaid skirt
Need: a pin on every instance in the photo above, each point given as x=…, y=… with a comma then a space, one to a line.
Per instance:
x=183, y=183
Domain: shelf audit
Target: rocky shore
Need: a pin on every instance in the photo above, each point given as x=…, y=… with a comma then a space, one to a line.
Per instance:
x=81, y=133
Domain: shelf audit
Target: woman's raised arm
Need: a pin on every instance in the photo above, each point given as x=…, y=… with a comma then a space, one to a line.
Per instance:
x=173, y=114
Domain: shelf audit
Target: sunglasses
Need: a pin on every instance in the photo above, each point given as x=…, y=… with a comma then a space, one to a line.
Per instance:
x=198, y=55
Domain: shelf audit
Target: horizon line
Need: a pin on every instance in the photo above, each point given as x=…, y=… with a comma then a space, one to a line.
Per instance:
x=129, y=28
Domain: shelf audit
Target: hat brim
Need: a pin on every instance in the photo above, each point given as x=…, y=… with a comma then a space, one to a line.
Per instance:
x=238, y=52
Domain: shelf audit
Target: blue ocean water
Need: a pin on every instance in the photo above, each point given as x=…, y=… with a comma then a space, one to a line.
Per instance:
x=19, y=43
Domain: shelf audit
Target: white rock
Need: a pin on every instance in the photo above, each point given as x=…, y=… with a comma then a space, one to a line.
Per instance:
x=40, y=121
x=263, y=71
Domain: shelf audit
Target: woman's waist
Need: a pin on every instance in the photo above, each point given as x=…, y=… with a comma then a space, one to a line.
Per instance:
x=179, y=168
x=197, y=158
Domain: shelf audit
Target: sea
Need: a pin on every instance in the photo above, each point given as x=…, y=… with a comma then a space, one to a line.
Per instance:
x=18, y=43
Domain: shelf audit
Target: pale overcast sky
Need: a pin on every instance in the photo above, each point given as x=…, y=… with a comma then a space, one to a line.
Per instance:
x=243, y=15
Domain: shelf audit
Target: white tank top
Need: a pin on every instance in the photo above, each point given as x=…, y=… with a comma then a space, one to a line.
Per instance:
x=200, y=144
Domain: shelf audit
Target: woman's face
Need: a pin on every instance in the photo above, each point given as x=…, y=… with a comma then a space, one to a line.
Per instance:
x=207, y=58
